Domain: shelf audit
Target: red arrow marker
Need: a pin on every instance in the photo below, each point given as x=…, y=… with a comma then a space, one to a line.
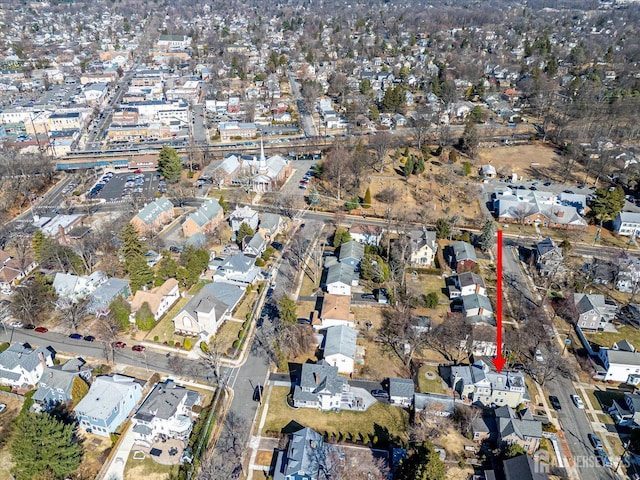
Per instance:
x=499, y=359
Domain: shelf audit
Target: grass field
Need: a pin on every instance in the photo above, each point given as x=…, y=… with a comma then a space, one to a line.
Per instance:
x=380, y=419
x=228, y=333
x=146, y=468
x=607, y=339
x=426, y=385
x=603, y=399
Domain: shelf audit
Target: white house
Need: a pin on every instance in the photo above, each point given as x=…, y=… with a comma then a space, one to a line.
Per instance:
x=340, y=278
x=466, y=283
x=320, y=387
x=340, y=347
x=244, y=215
x=366, y=234
x=21, y=365
x=627, y=223
x=423, y=247
x=621, y=363
x=336, y=310
x=168, y=410
x=593, y=311
x=160, y=299
x=237, y=268
x=401, y=391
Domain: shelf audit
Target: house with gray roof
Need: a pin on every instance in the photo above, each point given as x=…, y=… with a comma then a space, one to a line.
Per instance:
x=621, y=363
x=270, y=224
x=467, y=283
x=627, y=223
x=208, y=309
x=423, y=247
x=254, y=245
x=108, y=291
x=320, y=387
x=401, y=391
x=340, y=347
x=153, y=216
x=462, y=257
x=481, y=384
x=237, y=268
x=22, y=366
x=476, y=308
x=57, y=382
x=626, y=411
x=303, y=457
x=77, y=287
x=109, y=402
x=434, y=405
x=506, y=426
x=340, y=277
x=523, y=467
x=203, y=220
x=168, y=410
x=351, y=253
x=593, y=310
x=242, y=215
x=549, y=258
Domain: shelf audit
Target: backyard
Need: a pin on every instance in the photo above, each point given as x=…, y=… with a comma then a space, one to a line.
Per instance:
x=607, y=339
x=429, y=380
x=380, y=420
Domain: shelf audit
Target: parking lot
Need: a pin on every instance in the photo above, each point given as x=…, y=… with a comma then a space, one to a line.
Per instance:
x=124, y=186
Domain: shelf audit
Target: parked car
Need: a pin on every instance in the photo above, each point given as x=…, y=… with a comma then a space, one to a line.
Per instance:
x=380, y=394
x=602, y=456
x=89, y=338
x=16, y=324
x=539, y=357
x=30, y=326
x=257, y=393
x=368, y=296
x=595, y=441
x=118, y=344
x=41, y=329
x=75, y=336
x=577, y=401
x=138, y=348
x=3, y=407
x=555, y=402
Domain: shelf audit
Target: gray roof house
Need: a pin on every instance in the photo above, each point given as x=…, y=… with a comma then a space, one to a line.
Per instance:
x=340, y=277
x=549, y=258
x=423, y=247
x=340, y=347
x=476, y=308
x=626, y=411
x=401, y=391
x=107, y=292
x=22, y=366
x=433, y=404
x=56, y=383
x=320, y=387
x=508, y=426
x=481, y=384
x=351, y=253
x=462, y=257
x=523, y=467
x=208, y=309
x=270, y=224
x=167, y=410
x=621, y=363
x=593, y=311
x=301, y=461
x=238, y=268
x=242, y=215
x=74, y=287
x=204, y=219
x=254, y=245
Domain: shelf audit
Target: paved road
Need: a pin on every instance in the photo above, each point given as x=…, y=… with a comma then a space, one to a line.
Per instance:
x=198, y=126
x=513, y=276
x=306, y=119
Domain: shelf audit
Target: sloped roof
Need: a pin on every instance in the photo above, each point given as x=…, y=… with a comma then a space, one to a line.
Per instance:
x=340, y=339
x=301, y=461
x=401, y=387
x=153, y=210
x=320, y=377
x=58, y=378
x=153, y=297
x=351, y=249
x=463, y=251
x=207, y=212
x=270, y=221
x=105, y=395
x=336, y=306
x=340, y=272
x=22, y=355
x=163, y=401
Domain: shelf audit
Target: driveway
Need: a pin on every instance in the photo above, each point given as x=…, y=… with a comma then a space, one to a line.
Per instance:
x=119, y=459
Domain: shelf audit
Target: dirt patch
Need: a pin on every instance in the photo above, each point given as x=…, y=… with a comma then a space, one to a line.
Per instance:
x=453, y=442
x=264, y=458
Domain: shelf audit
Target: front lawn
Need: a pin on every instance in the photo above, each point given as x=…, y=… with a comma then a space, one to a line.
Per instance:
x=381, y=420
x=146, y=468
x=603, y=399
x=607, y=339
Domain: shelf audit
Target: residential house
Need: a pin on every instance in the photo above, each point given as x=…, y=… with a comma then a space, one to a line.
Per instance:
x=168, y=411
x=22, y=366
x=208, y=310
x=600, y=271
x=434, y=405
x=351, y=253
x=476, y=308
x=340, y=347
x=626, y=411
x=336, y=310
x=270, y=224
x=109, y=402
x=254, y=245
x=401, y=391
x=237, y=268
x=203, y=220
x=159, y=299
x=467, y=283
x=506, y=426
x=628, y=277
x=627, y=223
x=423, y=248
x=107, y=292
x=74, y=287
x=462, y=257
x=480, y=384
x=303, y=457
x=340, y=277
x=549, y=258
x=154, y=216
x=488, y=171
x=523, y=467
x=621, y=363
x=593, y=311
x=244, y=215
x=12, y=270
x=366, y=234
x=58, y=383
x=320, y=387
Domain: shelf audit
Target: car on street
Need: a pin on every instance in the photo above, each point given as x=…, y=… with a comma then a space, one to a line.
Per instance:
x=555, y=402
x=577, y=401
x=602, y=456
x=138, y=348
x=89, y=338
x=30, y=326
x=368, y=296
x=380, y=394
x=75, y=336
x=257, y=393
x=595, y=441
x=118, y=344
x=539, y=357
x=41, y=329
x=16, y=324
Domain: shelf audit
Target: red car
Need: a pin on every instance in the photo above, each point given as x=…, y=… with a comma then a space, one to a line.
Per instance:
x=119, y=344
x=41, y=330
x=138, y=348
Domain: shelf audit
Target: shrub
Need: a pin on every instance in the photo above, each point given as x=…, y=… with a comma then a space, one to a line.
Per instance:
x=188, y=344
x=156, y=338
x=3, y=346
x=236, y=344
x=177, y=345
x=204, y=346
x=260, y=262
x=5, y=388
x=171, y=343
x=431, y=300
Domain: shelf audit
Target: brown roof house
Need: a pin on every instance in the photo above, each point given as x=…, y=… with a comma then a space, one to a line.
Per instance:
x=12, y=270
x=160, y=299
x=154, y=216
x=336, y=310
x=203, y=220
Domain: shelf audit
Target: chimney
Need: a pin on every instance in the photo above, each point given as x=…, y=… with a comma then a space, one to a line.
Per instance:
x=316, y=378
x=560, y=213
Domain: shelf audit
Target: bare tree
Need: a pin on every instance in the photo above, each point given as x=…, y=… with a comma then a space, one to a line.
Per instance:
x=398, y=336
x=381, y=144
x=72, y=313
x=446, y=338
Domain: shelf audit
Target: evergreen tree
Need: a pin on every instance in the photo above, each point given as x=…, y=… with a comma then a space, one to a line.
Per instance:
x=44, y=447
x=443, y=228
x=352, y=203
x=314, y=196
x=39, y=243
x=167, y=268
x=170, y=164
x=144, y=318
x=195, y=261
x=140, y=273
x=607, y=204
x=287, y=310
x=423, y=464
x=486, y=240
x=409, y=166
x=366, y=203
x=420, y=166
x=223, y=204
x=119, y=309
x=244, y=230
x=131, y=244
